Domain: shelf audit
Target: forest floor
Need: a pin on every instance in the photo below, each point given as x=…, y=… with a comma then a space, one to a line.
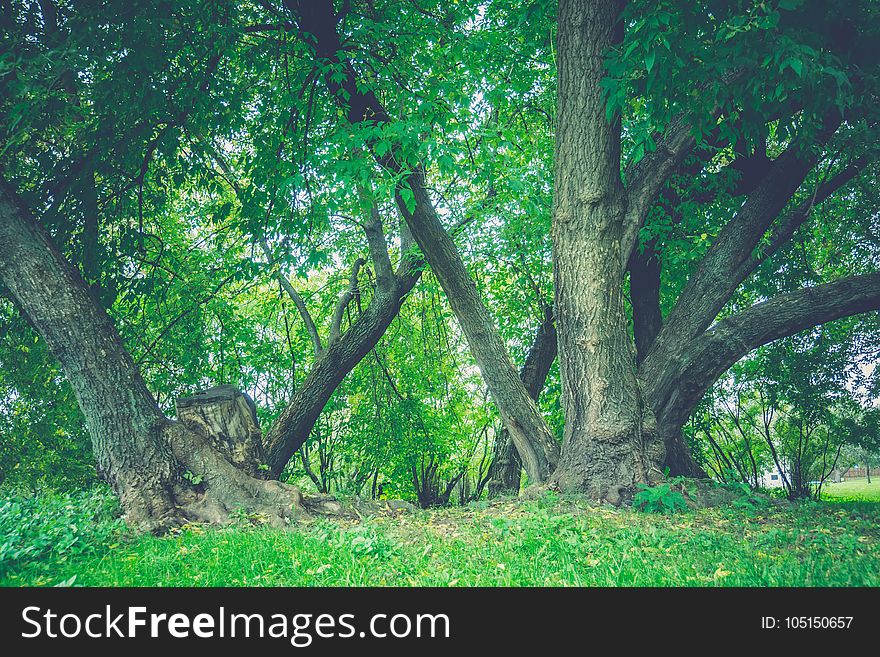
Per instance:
x=76, y=539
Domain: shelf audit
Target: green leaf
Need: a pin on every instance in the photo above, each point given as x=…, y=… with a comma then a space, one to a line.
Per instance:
x=409, y=199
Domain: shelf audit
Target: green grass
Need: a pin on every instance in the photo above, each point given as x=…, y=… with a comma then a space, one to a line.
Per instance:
x=508, y=543
x=854, y=489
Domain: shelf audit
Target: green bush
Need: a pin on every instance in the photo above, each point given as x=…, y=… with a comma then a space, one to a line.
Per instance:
x=46, y=530
x=659, y=499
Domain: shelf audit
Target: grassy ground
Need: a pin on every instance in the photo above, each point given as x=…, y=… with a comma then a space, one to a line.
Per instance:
x=751, y=542
x=854, y=489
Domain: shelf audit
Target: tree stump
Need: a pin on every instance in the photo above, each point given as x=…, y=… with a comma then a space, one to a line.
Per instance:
x=228, y=417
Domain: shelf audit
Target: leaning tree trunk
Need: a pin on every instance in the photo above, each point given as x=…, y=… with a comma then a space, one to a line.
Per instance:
x=164, y=472
x=295, y=423
x=506, y=469
x=534, y=441
x=610, y=442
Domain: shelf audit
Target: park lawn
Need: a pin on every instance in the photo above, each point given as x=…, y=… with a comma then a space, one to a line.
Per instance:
x=751, y=542
x=854, y=489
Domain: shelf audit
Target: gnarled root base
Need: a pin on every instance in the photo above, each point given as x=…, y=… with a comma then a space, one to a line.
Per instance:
x=610, y=466
x=206, y=487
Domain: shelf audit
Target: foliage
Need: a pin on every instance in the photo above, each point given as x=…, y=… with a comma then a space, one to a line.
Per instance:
x=793, y=407
x=198, y=144
x=541, y=543
x=55, y=531
x=662, y=498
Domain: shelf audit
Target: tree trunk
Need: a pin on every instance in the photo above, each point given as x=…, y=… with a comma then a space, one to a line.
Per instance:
x=610, y=442
x=164, y=472
x=529, y=432
x=531, y=435
x=506, y=468
x=679, y=459
x=293, y=427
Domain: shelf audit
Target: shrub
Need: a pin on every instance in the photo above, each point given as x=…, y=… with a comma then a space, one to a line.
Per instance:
x=659, y=499
x=45, y=530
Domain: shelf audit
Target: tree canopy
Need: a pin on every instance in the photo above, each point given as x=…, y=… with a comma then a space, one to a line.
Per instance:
x=375, y=218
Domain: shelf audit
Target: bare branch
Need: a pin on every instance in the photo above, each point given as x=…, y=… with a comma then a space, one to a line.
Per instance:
x=296, y=298
x=344, y=299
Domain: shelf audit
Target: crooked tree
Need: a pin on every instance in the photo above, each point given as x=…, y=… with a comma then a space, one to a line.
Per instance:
x=656, y=103
x=625, y=403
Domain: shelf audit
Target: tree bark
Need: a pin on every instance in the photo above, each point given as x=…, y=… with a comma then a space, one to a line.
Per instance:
x=674, y=395
x=535, y=443
x=610, y=442
x=293, y=426
x=506, y=468
x=143, y=455
x=227, y=417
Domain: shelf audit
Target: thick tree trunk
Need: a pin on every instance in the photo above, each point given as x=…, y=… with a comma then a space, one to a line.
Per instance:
x=506, y=468
x=610, y=442
x=144, y=456
x=126, y=427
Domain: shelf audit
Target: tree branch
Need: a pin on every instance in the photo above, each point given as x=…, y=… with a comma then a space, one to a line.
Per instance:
x=716, y=350
x=344, y=299
x=721, y=270
x=379, y=249
x=539, y=450
x=296, y=298
x=789, y=225
x=647, y=177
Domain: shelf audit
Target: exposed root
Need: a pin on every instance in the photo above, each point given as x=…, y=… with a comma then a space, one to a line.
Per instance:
x=210, y=489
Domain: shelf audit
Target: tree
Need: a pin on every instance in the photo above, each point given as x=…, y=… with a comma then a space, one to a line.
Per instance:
x=863, y=438
x=679, y=191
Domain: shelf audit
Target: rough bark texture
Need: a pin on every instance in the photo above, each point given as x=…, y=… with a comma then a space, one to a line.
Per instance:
x=535, y=443
x=506, y=468
x=293, y=426
x=125, y=425
x=227, y=417
x=610, y=442
x=142, y=454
